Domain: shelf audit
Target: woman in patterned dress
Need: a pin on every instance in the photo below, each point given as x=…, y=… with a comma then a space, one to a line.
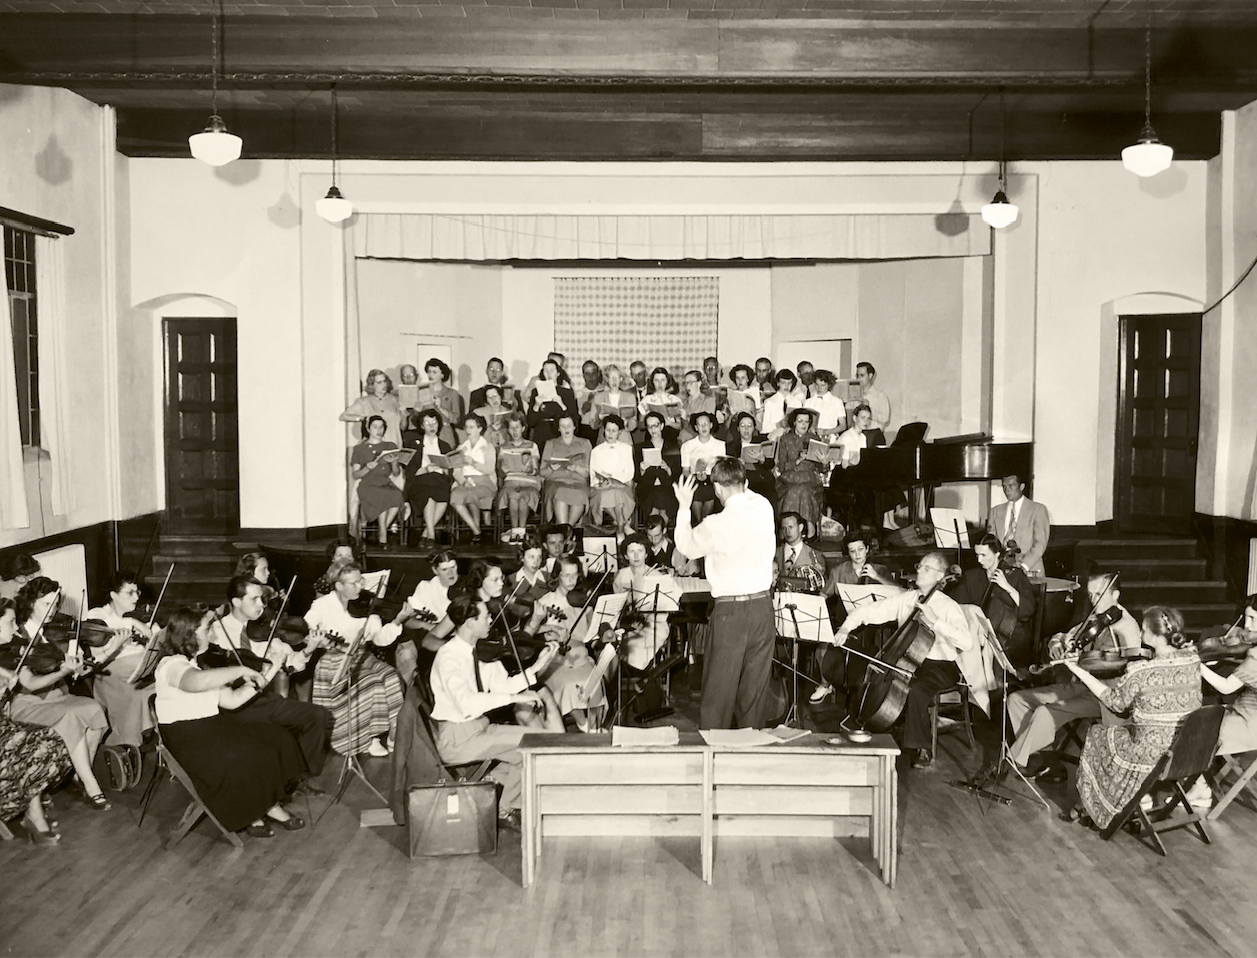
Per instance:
x=800, y=481
x=1158, y=693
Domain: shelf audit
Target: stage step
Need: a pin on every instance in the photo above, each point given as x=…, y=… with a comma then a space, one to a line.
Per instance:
x=1196, y=615
x=1105, y=550
x=1162, y=592
x=1150, y=570
x=204, y=545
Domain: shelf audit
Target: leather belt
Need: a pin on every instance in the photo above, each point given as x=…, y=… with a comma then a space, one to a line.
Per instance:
x=742, y=598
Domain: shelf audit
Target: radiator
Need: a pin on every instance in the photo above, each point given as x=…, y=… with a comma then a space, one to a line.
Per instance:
x=68, y=567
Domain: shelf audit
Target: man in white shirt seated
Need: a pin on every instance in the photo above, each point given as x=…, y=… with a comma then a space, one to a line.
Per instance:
x=309, y=724
x=941, y=615
x=465, y=690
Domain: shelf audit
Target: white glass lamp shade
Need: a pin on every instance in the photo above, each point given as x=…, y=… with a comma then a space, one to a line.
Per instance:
x=999, y=212
x=334, y=208
x=215, y=145
x=1149, y=156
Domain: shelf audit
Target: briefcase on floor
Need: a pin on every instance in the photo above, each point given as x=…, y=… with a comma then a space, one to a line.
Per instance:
x=452, y=818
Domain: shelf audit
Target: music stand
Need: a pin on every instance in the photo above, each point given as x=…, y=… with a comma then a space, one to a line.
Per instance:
x=652, y=603
x=599, y=556
x=800, y=616
x=353, y=766
x=995, y=778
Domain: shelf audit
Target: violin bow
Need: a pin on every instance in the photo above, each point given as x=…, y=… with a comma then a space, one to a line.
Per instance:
x=230, y=644
x=160, y=595
x=593, y=593
x=283, y=604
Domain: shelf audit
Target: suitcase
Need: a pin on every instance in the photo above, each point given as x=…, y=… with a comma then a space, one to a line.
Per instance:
x=452, y=818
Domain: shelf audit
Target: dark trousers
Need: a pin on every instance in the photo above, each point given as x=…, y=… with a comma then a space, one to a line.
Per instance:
x=310, y=725
x=931, y=677
x=737, y=664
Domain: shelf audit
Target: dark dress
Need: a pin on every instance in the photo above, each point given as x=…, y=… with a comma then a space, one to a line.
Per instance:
x=542, y=423
x=654, y=485
x=1012, y=623
x=434, y=486
x=759, y=478
x=31, y=760
x=240, y=769
x=376, y=491
x=802, y=486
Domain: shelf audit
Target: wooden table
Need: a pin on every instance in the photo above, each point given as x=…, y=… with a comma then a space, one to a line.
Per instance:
x=580, y=785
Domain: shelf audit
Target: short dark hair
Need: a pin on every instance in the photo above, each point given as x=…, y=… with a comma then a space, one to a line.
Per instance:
x=446, y=372
x=785, y=374
x=763, y=359
x=366, y=426
x=804, y=362
x=869, y=366
x=530, y=541
x=423, y=414
x=332, y=547
x=859, y=535
x=1251, y=602
x=825, y=376
x=120, y=580
x=476, y=418
x=863, y=407
x=479, y=571
x=464, y=606
x=656, y=521
x=614, y=420
x=238, y=586
x=750, y=373
x=654, y=415
x=18, y=564
x=180, y=633
x=495, y=359
x=796, y=516
x=737, y=420
x=638, y=539
x=671, y=385
x=702, y=414
x=992, y=542
x=442, y=557
x=728, y=471
x=802, y=411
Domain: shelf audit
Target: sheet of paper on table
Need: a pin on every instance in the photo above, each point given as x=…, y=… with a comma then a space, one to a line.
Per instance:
x=737, y=737
x=626, y=736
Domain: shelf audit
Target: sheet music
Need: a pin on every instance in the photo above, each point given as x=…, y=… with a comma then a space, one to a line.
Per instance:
x=625, y=736
x=547, y=391
x=594, y=682
x=946, y=522
x=692, y=583
x=376, y=581
x=855, y=595
x=599, y=554
x=811, y=613
x=737, y=737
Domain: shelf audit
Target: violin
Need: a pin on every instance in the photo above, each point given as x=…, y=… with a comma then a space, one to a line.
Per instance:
x=93, y=633
x=1232, y=645
x=1091, y=629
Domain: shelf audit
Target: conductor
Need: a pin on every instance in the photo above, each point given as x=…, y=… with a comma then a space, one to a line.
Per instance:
x=738, y=543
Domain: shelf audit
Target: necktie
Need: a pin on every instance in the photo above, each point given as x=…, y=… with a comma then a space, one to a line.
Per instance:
x=1012, y=522
x=790, y=561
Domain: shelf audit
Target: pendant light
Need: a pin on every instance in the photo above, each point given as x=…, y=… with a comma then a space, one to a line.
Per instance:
x=333, y=207
x=999, y=212
x=215, y=145
x=1149, y=156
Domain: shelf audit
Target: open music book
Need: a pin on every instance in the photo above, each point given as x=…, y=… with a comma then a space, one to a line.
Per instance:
x=854, y=595
x=397, y=455
x=447, y=461
x=740, y=402
x=516, y=460
x=599, y=555
x=817, y=451
x=417, y=396
x=625, y=412
x=375, y=581
x=807, y=621
x=753, y=453
x=547, y=391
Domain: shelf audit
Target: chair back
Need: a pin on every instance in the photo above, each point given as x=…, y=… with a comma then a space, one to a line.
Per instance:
x=1191, y=753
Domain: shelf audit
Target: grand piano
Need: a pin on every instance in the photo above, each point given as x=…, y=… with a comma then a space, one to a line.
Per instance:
x=886, y=476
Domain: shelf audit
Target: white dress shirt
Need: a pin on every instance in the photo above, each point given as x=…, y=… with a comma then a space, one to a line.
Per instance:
x=776, y=408
x=739, y=543
x=431, y=595
x=879, y=406
x=951, y=631
x=454, y=694
x=829, y=409
x=327, y=613
x=227, y=632
x=611, y=460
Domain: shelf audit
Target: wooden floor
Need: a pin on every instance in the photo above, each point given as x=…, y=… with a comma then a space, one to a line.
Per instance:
x=973, y=880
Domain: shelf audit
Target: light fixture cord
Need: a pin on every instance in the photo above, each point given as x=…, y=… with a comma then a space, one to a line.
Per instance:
x=1003, y=163
x=335, y=134
x=214, y=45
x=1148, y=66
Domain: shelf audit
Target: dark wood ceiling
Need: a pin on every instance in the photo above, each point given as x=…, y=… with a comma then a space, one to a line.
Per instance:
x=649, y=79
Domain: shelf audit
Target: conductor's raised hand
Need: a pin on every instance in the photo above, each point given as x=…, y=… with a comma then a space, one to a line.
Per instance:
x=684, y=489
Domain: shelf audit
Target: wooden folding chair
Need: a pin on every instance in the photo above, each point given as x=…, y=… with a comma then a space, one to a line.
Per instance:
x=463, y=772
x=1189, y=756
x=1245, y=773
x=963, y=723
x=196, y=809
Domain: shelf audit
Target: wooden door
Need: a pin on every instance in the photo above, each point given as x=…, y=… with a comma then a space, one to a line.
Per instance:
x=202, y=446
x=1158, y=422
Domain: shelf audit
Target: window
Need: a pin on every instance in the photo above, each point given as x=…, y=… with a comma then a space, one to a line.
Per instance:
x=19, y=275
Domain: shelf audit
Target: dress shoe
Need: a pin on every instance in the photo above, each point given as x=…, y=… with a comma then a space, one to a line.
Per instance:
x=923, y=759
x=511, y=820
x=1052, y=774
x=290, y=824
x=822, y=692
x=377, y=749
x=39, y=837
x=260, y=829
x=307, y=787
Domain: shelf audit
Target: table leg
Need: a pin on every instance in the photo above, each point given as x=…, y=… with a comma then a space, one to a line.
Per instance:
x=706, y=839
x=892, y=825
x=529, y=837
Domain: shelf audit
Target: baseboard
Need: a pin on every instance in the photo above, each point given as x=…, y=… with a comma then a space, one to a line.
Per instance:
x=289, y=535
x=329, y=531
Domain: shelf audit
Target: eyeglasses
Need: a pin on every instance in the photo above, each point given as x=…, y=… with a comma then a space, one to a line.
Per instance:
x=922, y=567
x=134, y=590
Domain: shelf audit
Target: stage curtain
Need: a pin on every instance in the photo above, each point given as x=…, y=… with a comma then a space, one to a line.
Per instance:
x=13, y=511
x=614, y=319
x=439, y=236
x=53, y=380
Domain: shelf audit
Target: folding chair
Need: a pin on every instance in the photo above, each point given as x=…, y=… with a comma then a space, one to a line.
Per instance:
x=962, y=691
x=1072, y=733
x=1231, y=765
x=196, y=809
x=1188, y=756
x=426, y=728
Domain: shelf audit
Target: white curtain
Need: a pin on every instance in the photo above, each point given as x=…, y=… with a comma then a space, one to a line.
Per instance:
x=53, y=381
x=428, y=236
x=13, y=511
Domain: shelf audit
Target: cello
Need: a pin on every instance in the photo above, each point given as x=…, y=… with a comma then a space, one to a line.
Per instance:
x=891, y=670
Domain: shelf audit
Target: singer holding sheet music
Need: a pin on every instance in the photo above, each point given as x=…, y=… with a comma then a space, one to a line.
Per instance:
x=378, y=496
x=738, y=544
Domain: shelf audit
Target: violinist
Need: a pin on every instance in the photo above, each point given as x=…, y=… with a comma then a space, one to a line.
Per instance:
x=487, y=582
x=256, y=566
x=124, y=704
x=15, y=572
x=530, y=581
x=309, y=724
x=42, y=698
x=653, y=593
x=1239, y=725
x=433, y=595
x=242, y=770
x=364, y=702
x=1036, y=715
x=944, y=618
x=1005, y=595
x=465, y=690
x=558, y=542
x=32, y=760
x=567, y=674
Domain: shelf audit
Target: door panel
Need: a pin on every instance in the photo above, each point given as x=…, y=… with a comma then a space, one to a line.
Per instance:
x=201, y=440
x=1159, y=408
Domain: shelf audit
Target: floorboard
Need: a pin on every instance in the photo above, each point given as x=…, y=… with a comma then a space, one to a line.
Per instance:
x=974, y=879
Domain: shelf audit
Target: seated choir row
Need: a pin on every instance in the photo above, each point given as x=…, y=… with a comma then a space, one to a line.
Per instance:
x=655, y=435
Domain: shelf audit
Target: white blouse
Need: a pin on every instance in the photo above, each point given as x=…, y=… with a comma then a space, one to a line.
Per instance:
x=481, y=459
x=695, y=449
x=829, y=410
x=173, y=703
x=611, y=460
x=776, y=407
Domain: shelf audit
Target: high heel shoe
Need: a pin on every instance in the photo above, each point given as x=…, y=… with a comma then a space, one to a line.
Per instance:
x=39, y=837
x=1077, y=814
x=821, y=693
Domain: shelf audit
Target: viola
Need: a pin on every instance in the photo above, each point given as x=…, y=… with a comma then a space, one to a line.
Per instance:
x=1087, y=633
x=92, y=633
x=216, y=657
x=42, y=659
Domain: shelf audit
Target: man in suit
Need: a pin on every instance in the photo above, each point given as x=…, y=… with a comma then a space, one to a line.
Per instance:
x=1024, y=522
x=793, y=553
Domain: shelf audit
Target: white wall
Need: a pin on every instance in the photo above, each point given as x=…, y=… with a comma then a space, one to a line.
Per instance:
x=1090, y=234
x=56, y=154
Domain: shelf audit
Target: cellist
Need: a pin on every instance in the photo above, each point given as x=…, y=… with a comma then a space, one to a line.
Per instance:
x=944, y=618
x=1004, y=593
